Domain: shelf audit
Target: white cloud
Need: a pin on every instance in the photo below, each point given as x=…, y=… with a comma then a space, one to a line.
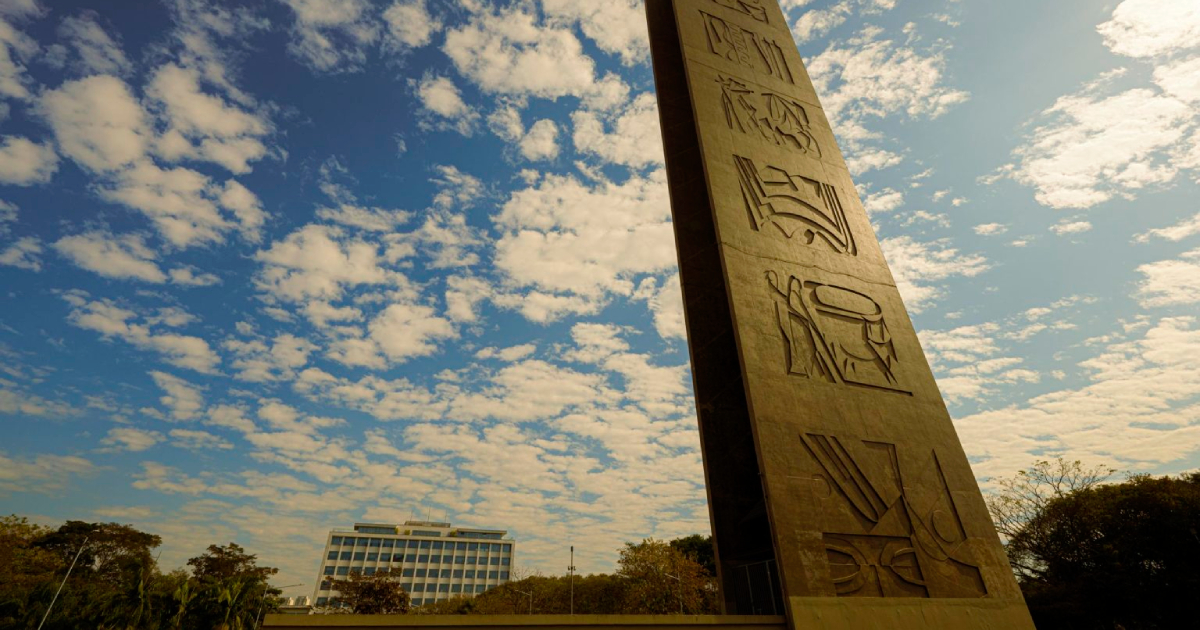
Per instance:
x=541, y=143
x=1176, y=232
x=42, y=472
x=121, y=257
x=916, y=266
x=817, y=22
x=617, y=26
x=97, y=122
x=405, y=331
x=409, y=24
x=23, y=163
x=635, y=139
x=990, y=229
x=110, y=320
x=203, y=126
x=98, y=52
x=260, y=361
x=15, y=49
x=570, y=255
x=508, y=52
x=1147, y=28
x=197, y=440
x=369, y=219
x=183, y=399
x=508, y=355
x=440, y=96
x=666, y=304
x=885, y=200
x=332, y=35
x=8, y=214
x=188, y=277
x=320, y=262
x=1071, y=227
x=23, y=254
x=1171, y=282
x=131, y=439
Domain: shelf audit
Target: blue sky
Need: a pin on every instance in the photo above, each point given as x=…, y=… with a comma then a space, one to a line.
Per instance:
x=275, y=268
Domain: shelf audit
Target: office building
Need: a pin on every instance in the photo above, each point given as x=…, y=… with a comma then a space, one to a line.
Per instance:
x=433, y=561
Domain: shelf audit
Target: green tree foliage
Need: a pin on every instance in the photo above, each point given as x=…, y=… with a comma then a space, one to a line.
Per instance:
x=662, y=580
x=1114, y=556
x=378, y=594
x=700, y=549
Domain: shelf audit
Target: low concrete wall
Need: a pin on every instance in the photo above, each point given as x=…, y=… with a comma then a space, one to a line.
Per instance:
x=541, y=622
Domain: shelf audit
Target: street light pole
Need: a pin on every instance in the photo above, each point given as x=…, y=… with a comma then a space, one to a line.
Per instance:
x=530, y=594
x=571, y=572
x=680, y=591
x=64, y=582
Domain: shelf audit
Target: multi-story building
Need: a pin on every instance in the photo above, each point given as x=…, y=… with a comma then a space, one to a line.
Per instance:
x=435, y=561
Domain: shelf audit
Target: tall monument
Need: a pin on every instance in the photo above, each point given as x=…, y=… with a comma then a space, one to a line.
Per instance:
x=839, y=492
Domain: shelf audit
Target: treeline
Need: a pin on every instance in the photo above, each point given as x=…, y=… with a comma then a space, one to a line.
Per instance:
x=115, y=583
x=653, y=577
x=1092, y=555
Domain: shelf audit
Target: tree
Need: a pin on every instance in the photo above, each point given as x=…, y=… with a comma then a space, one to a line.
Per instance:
x=112, y=551
x=1112, y=556
x=378, y=594
x=700, y=549
x=29, y=571
x=219, y=564
x=1023, y=497
x=662, y=580
x=227, y=587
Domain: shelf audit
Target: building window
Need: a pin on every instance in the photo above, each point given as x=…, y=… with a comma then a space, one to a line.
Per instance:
x=413, y=544
x=494, y=560
x=321, y=601
x=493, y=575
x=387, y=543
x=504, y=575
x=472, y=546
x=359, y=556
x=445, y=573
x=407, y=586
x=425, y=544
x=470, y=574
x=343, y=570
x=437, y=544
x=328, y=570
x=345, y=555
x=369, y=571
x=419, y=587
x=421, y=572
x=336, y=540
x=458, y=559
x=410, y=557
x=504, y=561
x=456, y=588
x=462, y=546
x=375, y=542
x=326, y=585
x=495, y=546
x=385, y=557
x=458, y=573
x=443, y=588
x=479, y=588
x=372, y=557
x=332, y=555
x=423, y=558
x=406, y=573
x=361, y=542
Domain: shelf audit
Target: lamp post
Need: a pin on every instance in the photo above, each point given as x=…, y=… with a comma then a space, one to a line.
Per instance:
x=64, y=582
x=571, y=572
x=530, y=594
x=680, y=591
x=263, y=601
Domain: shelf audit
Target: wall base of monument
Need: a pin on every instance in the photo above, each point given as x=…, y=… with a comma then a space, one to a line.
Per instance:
x=895, y=613
x=541, y=622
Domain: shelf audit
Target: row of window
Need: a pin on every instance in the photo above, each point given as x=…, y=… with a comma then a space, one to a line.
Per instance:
x=469, y=574
x=374, y=556
x=422, y=587
x=388, y=543
x=416, y=601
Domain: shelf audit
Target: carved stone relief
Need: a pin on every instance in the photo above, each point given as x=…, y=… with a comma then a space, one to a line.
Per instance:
x=757, y=52
x=753, y=8
x=794, y=204
x=772, y=117
x=834, y=333
x=904, y=537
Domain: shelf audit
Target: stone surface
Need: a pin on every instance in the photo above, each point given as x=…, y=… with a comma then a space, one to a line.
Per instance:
x=839, y=492
x=543, y=622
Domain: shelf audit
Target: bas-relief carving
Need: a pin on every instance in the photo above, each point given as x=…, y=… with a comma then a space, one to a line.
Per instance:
x=772, y=117
x=753, y=8
x=896, y=536
x=757, y=52
x=794, y=204
x=835, y=334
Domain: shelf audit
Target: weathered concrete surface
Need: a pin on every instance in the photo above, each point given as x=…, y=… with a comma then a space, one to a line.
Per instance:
x=839, y=491
x=542, y=622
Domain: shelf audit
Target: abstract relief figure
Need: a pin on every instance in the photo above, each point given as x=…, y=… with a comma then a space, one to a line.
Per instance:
x=757, y=52
x=794, y=204
x=753, y=8
x=834, y=333
x=890, y=536
x=772, y=117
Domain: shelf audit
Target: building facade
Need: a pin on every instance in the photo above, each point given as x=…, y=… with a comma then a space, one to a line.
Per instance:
x=434, y=561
